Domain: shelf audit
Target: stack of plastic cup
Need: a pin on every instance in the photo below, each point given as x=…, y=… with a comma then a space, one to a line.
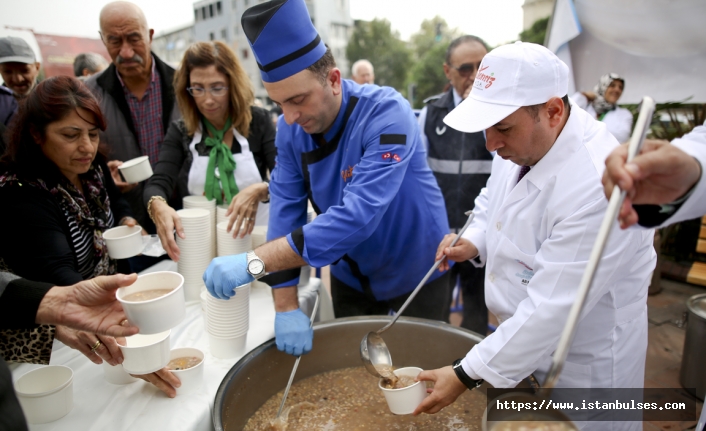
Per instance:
x=227, y=245
x=221, y=213
x=227, y=322
x=196, y=250
x=203, y=203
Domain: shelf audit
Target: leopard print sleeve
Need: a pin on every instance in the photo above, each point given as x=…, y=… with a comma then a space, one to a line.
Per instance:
x=27, y=345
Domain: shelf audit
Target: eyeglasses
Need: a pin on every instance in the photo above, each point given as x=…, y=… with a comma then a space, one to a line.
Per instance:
x=200, y=91
x=466, y=69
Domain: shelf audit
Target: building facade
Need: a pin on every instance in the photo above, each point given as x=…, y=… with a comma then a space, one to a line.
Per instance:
x=220, y=20
x=171, y=45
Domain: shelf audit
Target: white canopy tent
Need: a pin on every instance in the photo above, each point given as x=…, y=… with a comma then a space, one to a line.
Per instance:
x=658, y=46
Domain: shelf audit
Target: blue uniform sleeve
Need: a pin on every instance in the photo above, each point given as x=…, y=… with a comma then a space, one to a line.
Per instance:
x=288, y=199
x=389, y=135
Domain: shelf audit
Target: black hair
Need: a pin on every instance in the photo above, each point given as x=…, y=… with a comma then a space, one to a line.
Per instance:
x=323, y=66
x=461, y=40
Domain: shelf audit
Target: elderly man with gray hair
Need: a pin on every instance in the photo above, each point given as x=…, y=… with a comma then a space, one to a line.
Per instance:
x=362, y=72
x=88, y=63
x=136, y=96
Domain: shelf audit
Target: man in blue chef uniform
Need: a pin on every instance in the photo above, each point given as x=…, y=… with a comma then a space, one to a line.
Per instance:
x=355, y=152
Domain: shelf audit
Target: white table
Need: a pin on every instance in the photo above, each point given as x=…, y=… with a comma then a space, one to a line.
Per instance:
x=99, y=405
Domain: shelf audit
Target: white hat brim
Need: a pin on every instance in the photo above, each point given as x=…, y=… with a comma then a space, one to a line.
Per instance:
x=473, y=115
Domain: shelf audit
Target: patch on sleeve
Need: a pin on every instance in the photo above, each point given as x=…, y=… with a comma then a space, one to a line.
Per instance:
x=393, y=139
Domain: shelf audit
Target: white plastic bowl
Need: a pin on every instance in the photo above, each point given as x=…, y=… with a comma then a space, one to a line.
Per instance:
x=159, y=314
x=136, y=170
x=192, y=378
x=46, y=394
x=144, y=354
x=123, y=241
x=404, y=401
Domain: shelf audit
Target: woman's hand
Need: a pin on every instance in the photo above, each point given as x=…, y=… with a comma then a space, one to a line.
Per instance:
x=131, y=222
x=107, y=348
x=166, y=220
x=123, y=186
x=163, y=379
x=243, y=209
x=88, y=305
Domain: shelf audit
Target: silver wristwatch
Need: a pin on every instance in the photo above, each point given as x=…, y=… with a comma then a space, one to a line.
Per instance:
x=256, y=267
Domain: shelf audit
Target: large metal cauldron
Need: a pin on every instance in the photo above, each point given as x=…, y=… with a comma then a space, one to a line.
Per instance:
x=265, y=371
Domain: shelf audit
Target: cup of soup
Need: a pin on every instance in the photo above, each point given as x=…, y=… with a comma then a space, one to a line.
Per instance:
x=407, y=394
x=187, y=364
x=155, y=302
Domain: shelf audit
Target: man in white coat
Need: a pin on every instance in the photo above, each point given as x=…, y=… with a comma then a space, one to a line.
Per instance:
x=535, y=226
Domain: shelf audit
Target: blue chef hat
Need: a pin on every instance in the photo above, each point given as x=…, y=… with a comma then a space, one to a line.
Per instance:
x=282, y=37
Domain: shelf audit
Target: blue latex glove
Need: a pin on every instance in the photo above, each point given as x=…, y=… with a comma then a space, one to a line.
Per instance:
x=292, y=332
x=226, y=273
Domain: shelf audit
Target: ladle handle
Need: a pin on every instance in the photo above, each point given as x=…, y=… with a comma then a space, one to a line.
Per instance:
x=296, y=363
x=616, y=201
x=426, y=277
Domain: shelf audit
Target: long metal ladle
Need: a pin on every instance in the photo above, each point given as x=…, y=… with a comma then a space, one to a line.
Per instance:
x=373, y=350
x=495, y=415
x=296, y=363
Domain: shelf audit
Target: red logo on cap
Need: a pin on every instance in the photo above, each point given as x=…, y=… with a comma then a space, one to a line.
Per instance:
x=396, y=158
x=386, y=156
x=482, y=77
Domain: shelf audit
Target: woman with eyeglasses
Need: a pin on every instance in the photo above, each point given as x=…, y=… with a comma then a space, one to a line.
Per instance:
x=602, y=103
x=223, y=147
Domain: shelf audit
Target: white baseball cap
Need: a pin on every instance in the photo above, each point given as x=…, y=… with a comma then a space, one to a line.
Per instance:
x=510, y=77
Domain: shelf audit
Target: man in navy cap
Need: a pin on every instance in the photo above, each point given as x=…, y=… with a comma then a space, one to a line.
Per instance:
x=355, y=152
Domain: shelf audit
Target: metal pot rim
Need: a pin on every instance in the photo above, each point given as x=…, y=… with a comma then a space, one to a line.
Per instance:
x=269, y=344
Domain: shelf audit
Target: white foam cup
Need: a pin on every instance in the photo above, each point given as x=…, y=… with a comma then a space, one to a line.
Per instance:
x=227, y=348
x=46, y=394
x=123, y=241
x=136, y=170
x=116, y=374
x=404, y=401
x=144, y=354
x=192, y=378
x=158, y=314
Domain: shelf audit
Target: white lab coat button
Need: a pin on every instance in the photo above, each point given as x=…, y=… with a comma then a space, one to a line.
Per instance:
x=498, y=225
x=491, y=277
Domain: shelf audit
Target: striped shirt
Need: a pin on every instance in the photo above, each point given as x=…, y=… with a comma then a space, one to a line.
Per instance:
x=146, y=115
x=82, y=240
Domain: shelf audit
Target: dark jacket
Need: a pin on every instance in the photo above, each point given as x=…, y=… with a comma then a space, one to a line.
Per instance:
x=121, y=136
x=38, y=245
x=172, y=169
x=460, y=161
x=8, y=105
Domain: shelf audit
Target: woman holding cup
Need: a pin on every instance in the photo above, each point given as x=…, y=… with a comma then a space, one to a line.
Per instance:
x=62, y=198
x=223, y=147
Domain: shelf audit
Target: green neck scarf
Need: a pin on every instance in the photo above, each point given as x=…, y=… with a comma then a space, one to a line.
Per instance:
x=221, y=157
